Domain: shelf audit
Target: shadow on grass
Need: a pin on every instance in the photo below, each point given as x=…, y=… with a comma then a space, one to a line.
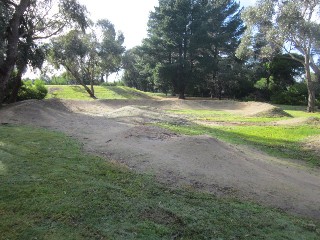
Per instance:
x=127, y=93
x=78, y=89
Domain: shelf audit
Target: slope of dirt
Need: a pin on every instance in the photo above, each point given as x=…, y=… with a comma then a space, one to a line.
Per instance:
x=299, y=121
x=269, y=111
x=117, y=130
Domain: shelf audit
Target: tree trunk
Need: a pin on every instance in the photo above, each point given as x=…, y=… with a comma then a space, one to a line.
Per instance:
x=181, y=94
x=17, y=83
x=12, y=47
x=79, y=81
x=311, y=97
x=91, y=93
x=311, y=89
x=181, y=80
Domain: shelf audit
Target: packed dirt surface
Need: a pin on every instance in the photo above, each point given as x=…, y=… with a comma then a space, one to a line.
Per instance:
x=119, y=131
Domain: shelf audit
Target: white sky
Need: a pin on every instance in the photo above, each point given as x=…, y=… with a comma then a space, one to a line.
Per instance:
x=128, y=16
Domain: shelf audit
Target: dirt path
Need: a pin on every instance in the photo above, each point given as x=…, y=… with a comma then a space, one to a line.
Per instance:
x=117, y=130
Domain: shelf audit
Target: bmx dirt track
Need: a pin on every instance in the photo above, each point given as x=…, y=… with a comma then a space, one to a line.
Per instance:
x=118, y=131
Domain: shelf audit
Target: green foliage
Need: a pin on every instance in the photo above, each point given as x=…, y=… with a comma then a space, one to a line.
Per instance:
x=32, y=90
x=190, y=43
x=63, y=79
x=50, y=189
x=29, y=23
x=296, y=94
x=86, y=57
x=113, y=84
x=284, y=26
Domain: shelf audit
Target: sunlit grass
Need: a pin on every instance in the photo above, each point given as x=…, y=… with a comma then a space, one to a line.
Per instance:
x=52, y=190
x=301, y=113
x=282, y=141
x=222, y=116
x=101, y=92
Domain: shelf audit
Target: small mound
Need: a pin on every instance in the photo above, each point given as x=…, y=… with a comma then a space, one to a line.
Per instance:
x=312, y=144
x=141, y=114
x=313, y=121
x=270, y=112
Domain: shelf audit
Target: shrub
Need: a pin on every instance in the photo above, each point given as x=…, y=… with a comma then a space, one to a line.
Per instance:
x=29, y=90
x=296, y=94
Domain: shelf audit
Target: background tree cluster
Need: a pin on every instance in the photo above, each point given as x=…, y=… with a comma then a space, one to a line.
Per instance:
x=206, y=48
x=89, y=57
x=190, y=48
x=290, y=27
x=88, y=52
x=214, y=48
x=24, y=25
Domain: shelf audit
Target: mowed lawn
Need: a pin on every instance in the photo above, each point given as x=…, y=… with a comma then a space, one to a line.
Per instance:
x=77, y=92
x=51, y=189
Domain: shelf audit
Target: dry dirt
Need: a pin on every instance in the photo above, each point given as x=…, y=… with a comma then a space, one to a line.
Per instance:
x=117, y=130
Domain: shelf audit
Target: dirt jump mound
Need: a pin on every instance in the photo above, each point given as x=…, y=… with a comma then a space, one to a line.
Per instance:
x=117, y=130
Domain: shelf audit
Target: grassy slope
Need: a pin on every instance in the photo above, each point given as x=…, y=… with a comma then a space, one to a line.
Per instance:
x=281, y=141
x=50, y=189
x=101, y=92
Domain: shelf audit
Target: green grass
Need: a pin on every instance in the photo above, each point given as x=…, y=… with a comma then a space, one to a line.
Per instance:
x=222, y=116
x=101, y=92
x=50, y=189
x=304, y=114
x=280, y=141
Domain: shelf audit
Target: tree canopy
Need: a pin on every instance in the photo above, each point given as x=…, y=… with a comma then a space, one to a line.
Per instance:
x=24, y=24
x=88, y=56
x=291, y=26
x=187, y=41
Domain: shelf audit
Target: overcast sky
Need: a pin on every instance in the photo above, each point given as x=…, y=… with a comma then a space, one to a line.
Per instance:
x=128, y=16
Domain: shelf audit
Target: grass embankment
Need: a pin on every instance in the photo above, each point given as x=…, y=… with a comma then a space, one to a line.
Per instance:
x=279, y=140
x=101, y=92
x=50, y=189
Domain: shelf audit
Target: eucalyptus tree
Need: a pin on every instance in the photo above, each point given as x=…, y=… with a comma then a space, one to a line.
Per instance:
x=111, y=48
x=88, y=56
x=24, y=24
x=292, y=26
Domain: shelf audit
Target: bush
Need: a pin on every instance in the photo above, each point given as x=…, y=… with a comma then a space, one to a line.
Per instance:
x=296, y=94
x=29, y=90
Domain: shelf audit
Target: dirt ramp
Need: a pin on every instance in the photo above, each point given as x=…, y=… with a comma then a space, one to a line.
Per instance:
x=205, y=163
x=117, y=130
x=34, y=111
x=143, y=114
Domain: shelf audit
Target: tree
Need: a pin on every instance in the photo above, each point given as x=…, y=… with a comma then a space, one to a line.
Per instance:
x=139, y=70
x=221, y=38
x=291, y=26
x=188, y=38
x=24, y=24
x=76, y=52
x=86, y=56
x=111, y=48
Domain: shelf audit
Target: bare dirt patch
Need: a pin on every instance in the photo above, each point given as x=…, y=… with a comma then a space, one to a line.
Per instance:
x=119, y=131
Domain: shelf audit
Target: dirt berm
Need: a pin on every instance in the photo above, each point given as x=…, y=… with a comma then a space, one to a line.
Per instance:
x=118, y=130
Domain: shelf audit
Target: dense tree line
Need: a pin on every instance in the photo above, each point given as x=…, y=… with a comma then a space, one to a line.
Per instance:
x=214, y=48
x=206, y=48
x=190, y=47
